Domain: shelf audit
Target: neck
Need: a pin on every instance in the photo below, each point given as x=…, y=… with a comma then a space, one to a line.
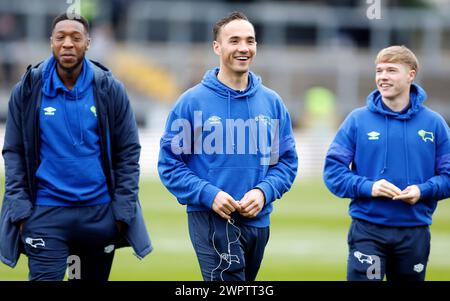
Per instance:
x=397, y=104
x=233, y=80
x=69, y=76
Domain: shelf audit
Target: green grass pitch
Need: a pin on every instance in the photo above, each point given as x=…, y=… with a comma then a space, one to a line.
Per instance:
x=307, y=239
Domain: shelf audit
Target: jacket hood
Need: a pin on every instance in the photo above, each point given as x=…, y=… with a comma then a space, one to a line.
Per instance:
x=52, y=84
x=211, y=81
x=417, y=97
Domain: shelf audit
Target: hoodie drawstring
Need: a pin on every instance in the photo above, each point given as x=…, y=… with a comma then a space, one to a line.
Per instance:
x=251, y=127
x=251, y=130
x=405, y=148
x=80, y=125
x=386, y=124
x=74, y=143
x=230, y=135
x=405, y=143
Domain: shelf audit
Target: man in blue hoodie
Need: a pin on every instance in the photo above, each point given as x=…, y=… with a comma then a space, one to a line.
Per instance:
x=392, y=158
x=71, y=156
x=228, y=153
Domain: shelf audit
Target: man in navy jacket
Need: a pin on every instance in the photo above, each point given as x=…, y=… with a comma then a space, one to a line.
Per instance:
x=71, y=154
x=392, y=158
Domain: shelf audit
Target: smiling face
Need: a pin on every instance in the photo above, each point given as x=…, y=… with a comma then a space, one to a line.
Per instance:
x=393, y=80
x=69, y=42
x=236, y=47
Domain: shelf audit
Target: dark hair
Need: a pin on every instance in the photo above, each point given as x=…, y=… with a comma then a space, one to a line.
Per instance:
x=76, y=17
x=225, y=20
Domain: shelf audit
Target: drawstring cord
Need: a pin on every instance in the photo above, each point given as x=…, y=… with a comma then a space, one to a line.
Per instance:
x=74, y=143
x=66, y=120
x=231, y=136
x=78, y=115
x=405, y=143
x=386, y=124
x=251, y=126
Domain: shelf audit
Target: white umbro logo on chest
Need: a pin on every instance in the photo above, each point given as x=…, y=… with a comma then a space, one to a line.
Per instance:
x=49, y=111
x=373, y=135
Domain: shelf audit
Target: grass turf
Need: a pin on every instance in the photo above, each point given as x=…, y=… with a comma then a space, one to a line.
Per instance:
x=307, y=240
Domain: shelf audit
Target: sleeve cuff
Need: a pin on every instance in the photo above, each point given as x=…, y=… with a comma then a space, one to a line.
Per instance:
x=267, y=190
x=208, y=195
x=124, y=212
x=365, y=190
x=425, y=190
x=21, y=211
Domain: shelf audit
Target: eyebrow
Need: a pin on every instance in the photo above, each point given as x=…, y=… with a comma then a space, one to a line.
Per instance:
x=76, y=31
x=238, y=37
x=387, y=67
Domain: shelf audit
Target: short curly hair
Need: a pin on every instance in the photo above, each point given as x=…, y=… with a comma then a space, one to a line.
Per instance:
x=77, y=18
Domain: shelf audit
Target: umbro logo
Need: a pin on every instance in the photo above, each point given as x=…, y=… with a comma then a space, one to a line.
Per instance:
x=373, y=135
x=214, y=120
x=49, y=111
x=418, y=268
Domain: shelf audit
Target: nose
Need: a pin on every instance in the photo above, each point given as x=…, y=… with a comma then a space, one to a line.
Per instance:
x=67, y=43
x=383, y=74
x=243, y=47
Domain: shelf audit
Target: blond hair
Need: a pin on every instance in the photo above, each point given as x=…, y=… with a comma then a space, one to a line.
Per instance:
x=398, y=55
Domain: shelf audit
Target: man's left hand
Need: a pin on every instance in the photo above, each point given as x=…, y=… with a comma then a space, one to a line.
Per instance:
x=410, y=195
x=252, y=203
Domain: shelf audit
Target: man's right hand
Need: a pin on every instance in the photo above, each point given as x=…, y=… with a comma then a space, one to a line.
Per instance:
x=224, y=205
x=383, y=188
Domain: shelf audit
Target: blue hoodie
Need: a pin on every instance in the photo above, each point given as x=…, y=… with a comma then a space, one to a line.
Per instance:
x=411, y=147
x=70, y=172
x=217, y=138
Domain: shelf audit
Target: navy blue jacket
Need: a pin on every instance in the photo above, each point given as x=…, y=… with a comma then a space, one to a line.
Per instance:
x=120, y=151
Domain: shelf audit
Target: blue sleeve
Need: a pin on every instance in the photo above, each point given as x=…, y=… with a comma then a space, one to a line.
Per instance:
x=438, y=187
x=337, y=175
x=17, y=192
x=125, y=152
x=283, y=162
x=176, y=176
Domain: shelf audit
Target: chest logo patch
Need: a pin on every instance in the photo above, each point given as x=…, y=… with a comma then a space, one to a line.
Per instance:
x=426, y=136
x=94, y=111
x=373, y=135
x=214, y=120
x=49, y=111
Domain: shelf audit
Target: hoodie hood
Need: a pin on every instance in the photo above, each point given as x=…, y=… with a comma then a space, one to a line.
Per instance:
x=417, y=96
x=211, y=81
x=52, y=84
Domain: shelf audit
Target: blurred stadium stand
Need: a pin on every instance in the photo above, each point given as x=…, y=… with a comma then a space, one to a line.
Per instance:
x=160, y=48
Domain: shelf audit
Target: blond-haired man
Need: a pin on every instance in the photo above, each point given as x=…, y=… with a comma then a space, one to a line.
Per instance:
x=392, y=158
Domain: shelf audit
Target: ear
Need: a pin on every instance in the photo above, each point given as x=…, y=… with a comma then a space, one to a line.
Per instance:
x=51, y=42
x=411, y=75
x=216, y=48
x=88, y=43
